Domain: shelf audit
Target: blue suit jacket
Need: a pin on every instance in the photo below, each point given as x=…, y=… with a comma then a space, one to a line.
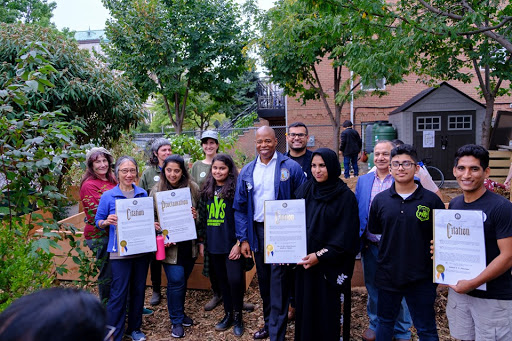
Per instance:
x=363, y=196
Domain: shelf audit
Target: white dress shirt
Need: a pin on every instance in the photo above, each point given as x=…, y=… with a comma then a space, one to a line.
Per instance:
x=263, y=177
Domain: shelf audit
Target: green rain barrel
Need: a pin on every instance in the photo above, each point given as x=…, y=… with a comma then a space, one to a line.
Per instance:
x=370, y=161
x=383, y=130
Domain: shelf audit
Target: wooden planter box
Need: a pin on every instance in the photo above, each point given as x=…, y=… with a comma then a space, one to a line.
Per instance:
x=196, y=280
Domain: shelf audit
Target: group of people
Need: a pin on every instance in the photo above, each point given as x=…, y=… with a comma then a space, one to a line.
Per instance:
x=396, y=213
x=388, y=219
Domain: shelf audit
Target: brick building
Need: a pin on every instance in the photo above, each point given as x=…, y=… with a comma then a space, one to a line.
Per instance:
x=370, y=108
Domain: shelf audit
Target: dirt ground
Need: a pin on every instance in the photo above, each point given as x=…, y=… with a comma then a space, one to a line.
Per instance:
x=158, y=327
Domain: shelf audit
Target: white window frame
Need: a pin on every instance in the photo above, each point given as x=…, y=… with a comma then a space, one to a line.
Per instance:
x=455, y=116
x=381, y=88
x=438, y=117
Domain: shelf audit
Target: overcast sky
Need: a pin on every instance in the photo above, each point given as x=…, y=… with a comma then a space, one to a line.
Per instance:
x=80, y=15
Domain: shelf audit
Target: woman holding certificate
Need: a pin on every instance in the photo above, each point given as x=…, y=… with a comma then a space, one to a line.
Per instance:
x=217, y=217
x=128, y=272
x=179, y=257
x=332, y=228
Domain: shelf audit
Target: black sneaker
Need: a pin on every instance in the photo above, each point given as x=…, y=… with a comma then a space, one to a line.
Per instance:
x=177, y=331
x=187, y=321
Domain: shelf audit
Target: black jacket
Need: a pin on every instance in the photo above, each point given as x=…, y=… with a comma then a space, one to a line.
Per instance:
x=350, y=142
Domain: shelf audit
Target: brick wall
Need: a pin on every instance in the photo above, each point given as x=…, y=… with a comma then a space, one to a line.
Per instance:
x=371, y=108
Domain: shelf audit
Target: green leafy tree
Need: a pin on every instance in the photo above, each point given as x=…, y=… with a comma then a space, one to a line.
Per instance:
x=104, y=103
x=201, y=110
x=27, y=11
x=446, y=40
x=457, y=40
x=173, y=47
x=245, y=97
x=297, y=37
x=34, y=149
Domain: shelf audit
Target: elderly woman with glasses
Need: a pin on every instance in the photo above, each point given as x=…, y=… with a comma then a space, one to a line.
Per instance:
x=128, y=272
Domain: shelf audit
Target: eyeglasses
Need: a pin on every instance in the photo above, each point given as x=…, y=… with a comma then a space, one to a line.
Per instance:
x=299, y=135
x=109, y=333
x=126, y=171
x=405, y=164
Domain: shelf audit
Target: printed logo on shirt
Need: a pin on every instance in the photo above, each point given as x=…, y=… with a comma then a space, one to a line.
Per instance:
x=423, y=213
x=202, y=175
x=285, y=174
x=156, y=178
x=216, y=212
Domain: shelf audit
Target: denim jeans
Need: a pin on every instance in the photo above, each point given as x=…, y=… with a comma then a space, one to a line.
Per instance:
x=177, y=276
x=127, y=275
x=420, y=298
x=403, y=322
x=347, y=160
x=99, y=247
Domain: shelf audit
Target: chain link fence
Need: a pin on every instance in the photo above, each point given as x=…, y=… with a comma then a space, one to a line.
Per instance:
x=244, y=150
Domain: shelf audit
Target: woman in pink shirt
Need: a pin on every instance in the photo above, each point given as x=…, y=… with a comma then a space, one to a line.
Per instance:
x=98, y=178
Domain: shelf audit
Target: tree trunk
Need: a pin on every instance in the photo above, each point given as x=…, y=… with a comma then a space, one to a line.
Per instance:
x=486, y=124
x=336, y=127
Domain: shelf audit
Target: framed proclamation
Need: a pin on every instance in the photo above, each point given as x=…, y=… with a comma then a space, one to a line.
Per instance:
x=175, y=215
x=135, y=226
x=285, y=231
x=459, y=246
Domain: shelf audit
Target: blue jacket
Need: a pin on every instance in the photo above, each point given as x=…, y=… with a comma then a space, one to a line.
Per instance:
x=363, y=196
x=107, y=206
x=287, y=178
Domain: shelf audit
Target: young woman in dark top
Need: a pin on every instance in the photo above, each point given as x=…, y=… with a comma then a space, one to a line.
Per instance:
x=332, y=229
x=217, y=224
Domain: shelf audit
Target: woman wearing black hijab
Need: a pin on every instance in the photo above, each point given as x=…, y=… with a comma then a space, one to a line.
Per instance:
x=332, y=227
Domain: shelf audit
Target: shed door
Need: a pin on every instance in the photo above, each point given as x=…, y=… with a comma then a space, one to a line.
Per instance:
x=451, y=130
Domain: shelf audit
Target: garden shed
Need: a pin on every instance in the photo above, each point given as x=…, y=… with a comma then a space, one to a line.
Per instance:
x=437, y=121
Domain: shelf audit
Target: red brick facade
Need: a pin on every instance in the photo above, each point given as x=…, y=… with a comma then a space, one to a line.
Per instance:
x=372, y=108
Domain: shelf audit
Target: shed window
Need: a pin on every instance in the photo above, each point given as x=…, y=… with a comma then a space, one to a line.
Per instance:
x=428, y=123
x=460, y=122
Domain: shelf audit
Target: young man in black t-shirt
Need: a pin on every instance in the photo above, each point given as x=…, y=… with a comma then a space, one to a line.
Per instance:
x=403, y=215
x=475, y=314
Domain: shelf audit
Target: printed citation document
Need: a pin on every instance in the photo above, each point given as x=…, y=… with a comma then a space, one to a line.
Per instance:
x=175, y=215
x=459, y=246
x=135, y=226
x=285, y=231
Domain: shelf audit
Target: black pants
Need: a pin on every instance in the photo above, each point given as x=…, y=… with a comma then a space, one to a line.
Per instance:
x=214, y=281
x=230, y=275
x=275, y=282
x=263, y=271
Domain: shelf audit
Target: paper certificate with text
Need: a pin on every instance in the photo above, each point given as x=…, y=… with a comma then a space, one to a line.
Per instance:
x=459, y=246
x=174, y=210
x=285, y=231
x=135, y=226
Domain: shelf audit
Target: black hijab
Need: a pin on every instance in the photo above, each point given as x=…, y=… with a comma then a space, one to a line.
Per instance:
x=333, y=186
x=332, y=219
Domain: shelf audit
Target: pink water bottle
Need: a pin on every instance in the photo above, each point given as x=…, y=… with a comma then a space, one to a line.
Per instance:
x=160, y=248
